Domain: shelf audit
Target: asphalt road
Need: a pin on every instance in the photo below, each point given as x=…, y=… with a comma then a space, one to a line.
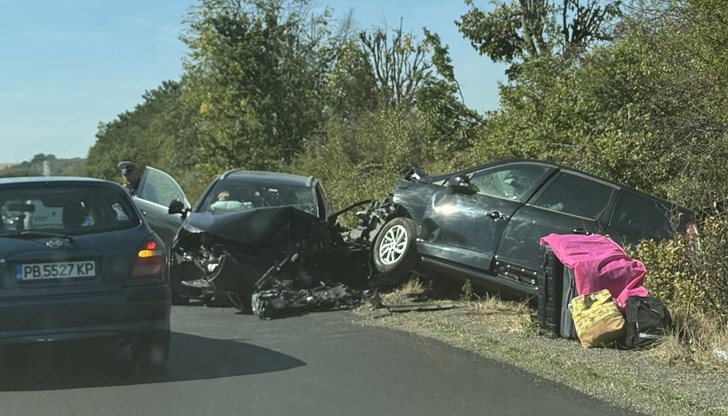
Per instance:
x=223, y=363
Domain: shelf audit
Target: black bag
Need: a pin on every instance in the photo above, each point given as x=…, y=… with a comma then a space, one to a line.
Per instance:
x=647, y=321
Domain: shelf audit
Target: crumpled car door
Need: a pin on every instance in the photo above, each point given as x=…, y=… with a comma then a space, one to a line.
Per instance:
x=466, y=228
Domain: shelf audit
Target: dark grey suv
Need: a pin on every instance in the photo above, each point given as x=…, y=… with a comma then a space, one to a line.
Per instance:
x=77, y=261
x=485, y=223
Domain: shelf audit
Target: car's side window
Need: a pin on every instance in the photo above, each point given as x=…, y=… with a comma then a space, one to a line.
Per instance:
x=510, y=182
x=638, y=217
x=160, y=188
x=575, y=195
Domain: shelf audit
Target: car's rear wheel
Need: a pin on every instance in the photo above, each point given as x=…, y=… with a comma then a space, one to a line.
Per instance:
x=151, y=351
x=394, y=250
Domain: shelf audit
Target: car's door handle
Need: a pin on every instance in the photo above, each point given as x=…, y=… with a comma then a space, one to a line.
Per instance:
x=583, y=231
x=496, y=215
x=144, y=212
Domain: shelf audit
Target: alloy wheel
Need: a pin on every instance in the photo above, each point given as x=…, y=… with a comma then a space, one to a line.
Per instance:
x=393, y=244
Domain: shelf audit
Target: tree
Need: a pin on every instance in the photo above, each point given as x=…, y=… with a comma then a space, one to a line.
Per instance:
x=160, y=132
x=399, y=63
x=440, y=103
x=520, y=29
x=256, y=71
x=352, y=88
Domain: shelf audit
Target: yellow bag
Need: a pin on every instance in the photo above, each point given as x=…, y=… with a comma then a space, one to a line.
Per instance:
x=597, y=318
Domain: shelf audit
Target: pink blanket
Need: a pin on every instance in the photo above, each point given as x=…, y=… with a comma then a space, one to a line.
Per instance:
x=599, y=263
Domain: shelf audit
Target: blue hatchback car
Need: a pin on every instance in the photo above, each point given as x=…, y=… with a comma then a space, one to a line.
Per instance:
x=78, y=261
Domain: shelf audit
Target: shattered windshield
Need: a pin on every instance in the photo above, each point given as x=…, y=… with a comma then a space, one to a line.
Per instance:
x=230, y=195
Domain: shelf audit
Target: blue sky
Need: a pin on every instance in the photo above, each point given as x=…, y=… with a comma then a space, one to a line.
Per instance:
x=69, y=64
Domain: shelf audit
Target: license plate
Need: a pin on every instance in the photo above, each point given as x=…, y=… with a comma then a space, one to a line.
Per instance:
x=55, y=270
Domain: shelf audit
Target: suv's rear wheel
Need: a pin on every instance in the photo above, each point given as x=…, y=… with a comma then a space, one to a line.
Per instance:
x=394, y=249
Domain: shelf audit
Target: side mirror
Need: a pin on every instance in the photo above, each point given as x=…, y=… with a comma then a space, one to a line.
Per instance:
x=460, y=184
x=177, y=207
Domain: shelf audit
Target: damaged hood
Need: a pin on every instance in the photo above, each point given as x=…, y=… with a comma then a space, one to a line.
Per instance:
x=252, y=226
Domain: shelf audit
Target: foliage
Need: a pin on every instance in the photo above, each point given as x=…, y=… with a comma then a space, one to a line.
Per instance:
x=351, y=87
x=255, y=70
x=267, y=84
x=448, y=122
x=516, y=31
x=692, y=276
x=360, y=160
x=399, y=63
x=158, y=132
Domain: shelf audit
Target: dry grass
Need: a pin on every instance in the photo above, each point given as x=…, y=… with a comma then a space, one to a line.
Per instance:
x=509, y=317
x=405, y=293
x=696, y=340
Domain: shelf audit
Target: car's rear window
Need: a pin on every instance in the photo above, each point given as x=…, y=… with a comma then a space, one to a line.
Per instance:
x=65, y=208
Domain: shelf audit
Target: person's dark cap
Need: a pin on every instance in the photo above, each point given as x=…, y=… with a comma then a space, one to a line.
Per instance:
x=126, y=167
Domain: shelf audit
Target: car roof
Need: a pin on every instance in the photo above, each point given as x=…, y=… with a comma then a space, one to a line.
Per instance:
x=54, y=180
x=269, y=177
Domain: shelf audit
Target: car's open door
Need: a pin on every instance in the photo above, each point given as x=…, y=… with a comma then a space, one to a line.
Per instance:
x=156, y=191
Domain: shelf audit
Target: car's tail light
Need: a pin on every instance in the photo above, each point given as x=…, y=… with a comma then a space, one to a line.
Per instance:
x=151, y=260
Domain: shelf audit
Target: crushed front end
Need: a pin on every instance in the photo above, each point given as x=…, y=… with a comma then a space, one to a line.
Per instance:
x=227, y=257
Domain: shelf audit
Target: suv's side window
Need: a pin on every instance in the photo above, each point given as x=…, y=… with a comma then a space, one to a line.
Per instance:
x=510, y=182
x=637, y=217
x=575, y=195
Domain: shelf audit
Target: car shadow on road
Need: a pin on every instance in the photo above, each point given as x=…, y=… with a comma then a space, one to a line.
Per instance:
x=95, y=364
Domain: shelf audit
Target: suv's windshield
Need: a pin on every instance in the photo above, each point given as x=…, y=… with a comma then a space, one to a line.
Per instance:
x=66, y=209
x=230, y=195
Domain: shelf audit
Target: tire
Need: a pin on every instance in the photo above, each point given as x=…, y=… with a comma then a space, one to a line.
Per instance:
x=394, y=251
x=151, y=351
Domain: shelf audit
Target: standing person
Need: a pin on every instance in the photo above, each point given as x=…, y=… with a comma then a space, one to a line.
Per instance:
x=130, y=172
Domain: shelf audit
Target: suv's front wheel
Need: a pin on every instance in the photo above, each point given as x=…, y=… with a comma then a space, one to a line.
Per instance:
x=394, y=250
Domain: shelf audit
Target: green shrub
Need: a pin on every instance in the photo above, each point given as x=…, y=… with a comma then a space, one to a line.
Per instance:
x=691, y=274
x=362, y=159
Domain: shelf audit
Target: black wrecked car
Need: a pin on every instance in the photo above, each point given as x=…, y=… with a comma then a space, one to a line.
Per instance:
x=77, y=261
x=485, y=223
x=254, y=230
